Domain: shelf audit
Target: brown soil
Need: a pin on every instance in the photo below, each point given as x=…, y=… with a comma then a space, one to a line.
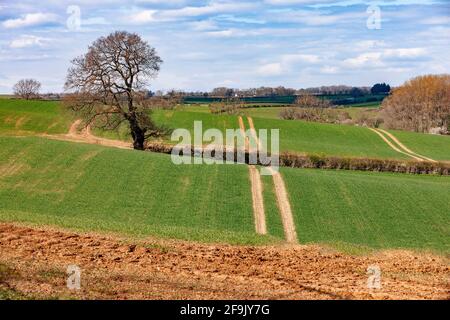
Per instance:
x=35, y=262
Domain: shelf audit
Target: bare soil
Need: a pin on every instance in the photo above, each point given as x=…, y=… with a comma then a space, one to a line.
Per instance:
x=36, y=261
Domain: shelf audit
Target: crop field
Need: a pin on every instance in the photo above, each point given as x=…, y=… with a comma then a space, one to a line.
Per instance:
x=68, y=184
x=31, y=117
x=151, y=220
x=19, y=117
x=328, y=139
x=213, y=203
x=373, y=210
x=434, y=146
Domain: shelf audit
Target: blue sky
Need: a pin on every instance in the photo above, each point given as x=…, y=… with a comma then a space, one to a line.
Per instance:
x=241, y=44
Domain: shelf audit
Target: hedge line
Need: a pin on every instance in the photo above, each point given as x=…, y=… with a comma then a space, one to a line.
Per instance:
x=295, y=160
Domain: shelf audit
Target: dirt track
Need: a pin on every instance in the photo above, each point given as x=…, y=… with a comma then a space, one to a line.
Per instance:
x=284, y=206
x=281, y=194
x=36, y=260
x=398, y=146
x=85, y=136
x=402, y=146
x=257, y=200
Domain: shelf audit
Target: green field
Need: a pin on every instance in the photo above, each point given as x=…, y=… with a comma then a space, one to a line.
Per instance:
x=178, y=119
x=376, y=210
x=434, y=146
x=20, y=117
x=31, y=117
x=328, y=139
x=89, y=187
x=65, y=184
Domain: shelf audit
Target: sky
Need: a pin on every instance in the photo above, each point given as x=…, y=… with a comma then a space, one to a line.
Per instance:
x=238, y=44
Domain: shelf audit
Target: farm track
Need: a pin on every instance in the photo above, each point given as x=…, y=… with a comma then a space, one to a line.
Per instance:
x=396, y=145
x=390, y=144
x=287, y=218
x=86, y=136
x=257, y=189
x=34, y=262
x=401, y=145
x=282, y=196
x=258, y=201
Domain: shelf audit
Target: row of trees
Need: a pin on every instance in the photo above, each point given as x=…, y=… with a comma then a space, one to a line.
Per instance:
x=224, y=92
x=421, y=104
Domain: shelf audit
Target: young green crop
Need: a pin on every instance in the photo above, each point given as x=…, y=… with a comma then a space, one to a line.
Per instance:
x=95, y=188
x=375, y=210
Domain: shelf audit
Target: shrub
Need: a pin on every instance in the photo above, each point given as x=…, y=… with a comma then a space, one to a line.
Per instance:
x=315, y=114
x=227, y=106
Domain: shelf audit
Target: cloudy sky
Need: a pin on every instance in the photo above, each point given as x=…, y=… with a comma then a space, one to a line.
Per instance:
x=205, y=44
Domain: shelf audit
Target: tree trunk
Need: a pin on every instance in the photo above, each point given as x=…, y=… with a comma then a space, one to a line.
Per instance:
x=138, y=135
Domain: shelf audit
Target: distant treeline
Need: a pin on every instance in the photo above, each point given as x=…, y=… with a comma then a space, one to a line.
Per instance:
x=335, y=99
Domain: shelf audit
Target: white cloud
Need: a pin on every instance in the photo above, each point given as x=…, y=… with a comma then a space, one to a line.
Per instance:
x=293, y=2
x=203, y=25
x=369, y=44
x=271, y=69
x=222, y=33
x=329, y=69
x=27, y=41
x=436, y=20
x=30, y=19
x=142, y=17
x=404, y=53
x=377, y=58
x=94, y=21
x=365, y=59
x=316, y=18
x=212, y=8
x=294, y=58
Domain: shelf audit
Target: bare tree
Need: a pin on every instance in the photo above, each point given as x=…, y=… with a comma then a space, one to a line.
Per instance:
x=107, y=85
x=310, y=101
x=27, y=88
